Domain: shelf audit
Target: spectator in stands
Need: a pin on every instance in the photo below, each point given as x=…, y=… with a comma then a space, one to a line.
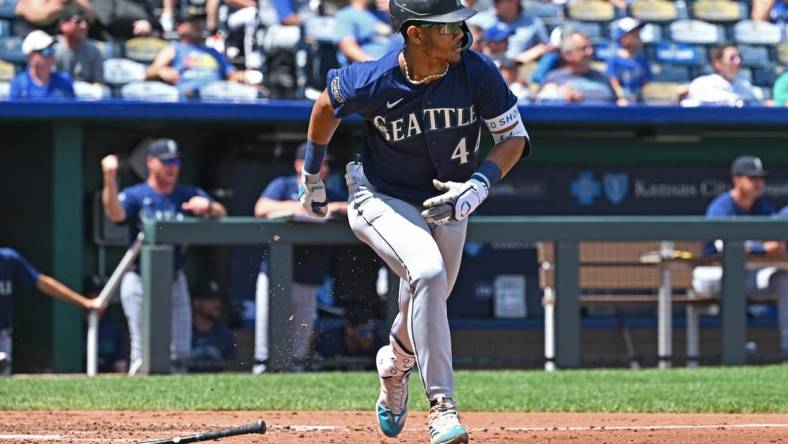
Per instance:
x=510, y=71
x=213, y=343
x=74, y=53
x=478, y=37
x=125, y=19
x=745, y=199
x=725, y=87
x=770, y=10
x=628, y=69
x=208, y=9
x=189, y=64
x=529, y=41
x=159, y=197
x=576, y=81
x=44, y=14
x=280, y=198
x=16, y=271
x=780, y=91
x=361, y=35
x=38, y=81
x=496, y=41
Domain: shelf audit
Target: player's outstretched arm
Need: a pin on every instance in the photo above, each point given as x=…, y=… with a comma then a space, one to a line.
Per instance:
x=322, y=122
x=53, y=287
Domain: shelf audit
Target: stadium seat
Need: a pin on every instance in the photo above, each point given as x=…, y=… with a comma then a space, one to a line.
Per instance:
x=719, y=11
x=91, y=91
x=320, y=28
x=654, y=10
x=228, y=92
x=592, y=30
x=670, y=73
x=122, y=71
x=762, y=92
x=755, y=56
x=11, y=50
x=6, y=27
x=766, y=76
x=662, y=93
x=109, y=50
x=757, y=33
x=605, y=49
x=8, y=9
x=150, y=91
x=550, y=13
x=5, y=90
x=680, y=54
x=591, y=11
x=651, y=33
x=782, y=53
x=7, y=71
x=696, y=32
x=144, y=49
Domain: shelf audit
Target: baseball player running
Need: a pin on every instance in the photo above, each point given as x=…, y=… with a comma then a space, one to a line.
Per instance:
x=15, y=270
x=160, y=197
x=416, y=183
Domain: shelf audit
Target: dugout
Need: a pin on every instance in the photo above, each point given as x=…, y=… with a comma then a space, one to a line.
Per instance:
x=586, y=160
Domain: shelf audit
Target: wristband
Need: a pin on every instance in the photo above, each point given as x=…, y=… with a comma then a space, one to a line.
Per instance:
x=313, y=159
x=488, y=172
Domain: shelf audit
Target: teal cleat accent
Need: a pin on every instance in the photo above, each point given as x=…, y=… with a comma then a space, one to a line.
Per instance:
x=444, y=423
x=391, y=423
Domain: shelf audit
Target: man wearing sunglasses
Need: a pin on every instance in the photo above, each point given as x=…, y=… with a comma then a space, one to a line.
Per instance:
x=74, y=53
x=159, y=197
x=38, y=81
x=725, y=87
x=418, y=179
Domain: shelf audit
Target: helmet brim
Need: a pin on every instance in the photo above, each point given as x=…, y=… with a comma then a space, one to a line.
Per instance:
x=458, y=15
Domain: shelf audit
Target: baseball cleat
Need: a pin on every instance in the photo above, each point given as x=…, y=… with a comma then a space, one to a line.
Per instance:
x=444, y=423
x=392, y=406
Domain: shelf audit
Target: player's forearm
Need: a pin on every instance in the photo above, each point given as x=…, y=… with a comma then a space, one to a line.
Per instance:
x=353, y=51
x=774, y=247
x=265, y=207
x=216, y=210
x=507, y=153
x=54, y=288
x=109, y=198
x=322, y=122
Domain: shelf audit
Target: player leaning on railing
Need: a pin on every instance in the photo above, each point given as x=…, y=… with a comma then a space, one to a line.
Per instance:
x=422, y=109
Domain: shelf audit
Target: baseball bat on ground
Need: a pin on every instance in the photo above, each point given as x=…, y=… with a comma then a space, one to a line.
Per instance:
x=253, y=427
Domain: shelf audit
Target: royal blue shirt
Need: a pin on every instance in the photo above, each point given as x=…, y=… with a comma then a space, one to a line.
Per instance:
x=199, y=65
x=417, y=133
x=143, y=201
x=311, y=263
x=632, y=73
x=724, y=206
x=366, y=28
x=15, y=270
x=60, y=86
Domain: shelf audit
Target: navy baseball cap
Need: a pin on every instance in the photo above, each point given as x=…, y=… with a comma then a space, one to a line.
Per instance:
x=624, y=26
x=164, y=149
x=301, y=153
x=497, y=33
x=750, y=166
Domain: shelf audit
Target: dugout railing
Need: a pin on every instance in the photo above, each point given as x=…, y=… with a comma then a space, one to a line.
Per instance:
x=565, y=232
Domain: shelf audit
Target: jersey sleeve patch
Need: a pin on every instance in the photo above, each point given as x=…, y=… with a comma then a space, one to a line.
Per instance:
x=508, y=124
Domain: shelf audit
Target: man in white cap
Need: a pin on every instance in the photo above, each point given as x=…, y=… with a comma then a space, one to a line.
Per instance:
x=38, y=81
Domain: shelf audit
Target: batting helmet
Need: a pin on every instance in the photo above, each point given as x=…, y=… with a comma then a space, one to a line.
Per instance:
x=404, y=12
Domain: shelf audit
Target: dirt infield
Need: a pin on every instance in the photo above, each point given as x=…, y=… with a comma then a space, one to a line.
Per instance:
x=359, y=427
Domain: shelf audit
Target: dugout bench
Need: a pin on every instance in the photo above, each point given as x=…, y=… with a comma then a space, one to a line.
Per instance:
x=637, y=275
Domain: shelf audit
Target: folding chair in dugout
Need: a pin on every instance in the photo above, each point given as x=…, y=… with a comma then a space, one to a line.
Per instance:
x=757, y=33
x=654, y=10
x=122, y=71
x=680, y=54
x=661, y=93
x=91, y=91
x=719, y=11
x=228, y=92
x=697, y=32
x=144, y=49
x=11, y=50
x=592, y=11
x=150, y=91
x=8, y=9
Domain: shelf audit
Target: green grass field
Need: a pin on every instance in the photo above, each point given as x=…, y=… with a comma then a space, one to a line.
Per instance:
x=723, y=390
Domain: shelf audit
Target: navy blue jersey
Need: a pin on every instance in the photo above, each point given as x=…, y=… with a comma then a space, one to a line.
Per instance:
x=212, y=349
x=15, y=270
x=724, y=206
x=143, y=201
x=417, y=133
x=311, y=263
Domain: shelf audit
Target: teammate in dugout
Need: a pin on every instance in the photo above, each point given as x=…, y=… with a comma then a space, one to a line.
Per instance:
x=416, y=184
x=160, y=197
x=15, y=270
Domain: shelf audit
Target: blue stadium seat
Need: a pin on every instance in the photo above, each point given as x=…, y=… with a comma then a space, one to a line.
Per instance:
x=109, y=50
x=228, y=92
x=320, y=28
x=6, y=28
x=550, y=13
x=122, y=71
x=766, y=76
x=697, y=32
x=670, y=73
x=11, y=50
x=755, y=56
x=591, y=11
x=8, y=9
x=604, y=49
x=680, y=54
x=5, y=90
x=150, y=92
x=592, y=30
x=763, y=92
x=719, y=11
x=782, y=53
x=91, y=91
x=655, y=11
x=757, y=33
x=651, y=33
